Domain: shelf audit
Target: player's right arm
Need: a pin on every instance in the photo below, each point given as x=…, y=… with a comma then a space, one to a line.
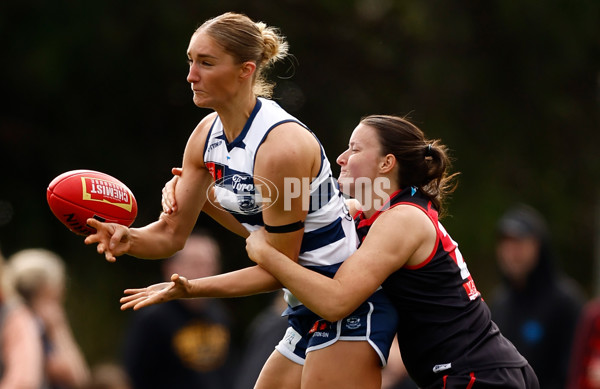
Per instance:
x=211, y=207
x=169, y=233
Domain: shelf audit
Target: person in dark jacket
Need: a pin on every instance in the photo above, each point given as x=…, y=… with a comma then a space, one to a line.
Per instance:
x=537, y=306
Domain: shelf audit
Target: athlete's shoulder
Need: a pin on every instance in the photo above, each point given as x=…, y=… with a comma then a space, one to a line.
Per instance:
x=405, y=222
x=202, y=129
x=206, y=123
x=289, y=142
x=407, y=214
x=197, y=140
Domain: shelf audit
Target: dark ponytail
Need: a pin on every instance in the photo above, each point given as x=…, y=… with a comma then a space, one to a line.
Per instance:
x=423, y=163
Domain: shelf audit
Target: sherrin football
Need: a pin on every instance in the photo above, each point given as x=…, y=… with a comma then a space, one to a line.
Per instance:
x=78, y=195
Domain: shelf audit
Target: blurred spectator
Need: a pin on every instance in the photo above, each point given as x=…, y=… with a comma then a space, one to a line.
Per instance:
x=108, y=375
x=183, y=343
x=264, y=333
x=38, y=276
x=21, y=353
x=537, y=306
x=584, y=372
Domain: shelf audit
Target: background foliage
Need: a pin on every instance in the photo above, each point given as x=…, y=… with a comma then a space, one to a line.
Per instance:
x=511, y=87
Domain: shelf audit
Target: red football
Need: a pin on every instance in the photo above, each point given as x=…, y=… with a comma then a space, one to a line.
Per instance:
x=78, y=195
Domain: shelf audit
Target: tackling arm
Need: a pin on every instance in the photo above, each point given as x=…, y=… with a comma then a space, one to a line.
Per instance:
x=392, y=241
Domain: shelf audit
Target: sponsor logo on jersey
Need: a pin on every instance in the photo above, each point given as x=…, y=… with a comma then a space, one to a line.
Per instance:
x=471, y=289
x=216, y=170
x=442, y=367
x=243, y=190
x=214, y=145
x=320, y=325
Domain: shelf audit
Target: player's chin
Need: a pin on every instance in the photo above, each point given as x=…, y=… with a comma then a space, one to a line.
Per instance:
x=201, y=101
x=346, y=186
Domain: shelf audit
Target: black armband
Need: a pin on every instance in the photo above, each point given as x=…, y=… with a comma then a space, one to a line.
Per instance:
x=285, y=228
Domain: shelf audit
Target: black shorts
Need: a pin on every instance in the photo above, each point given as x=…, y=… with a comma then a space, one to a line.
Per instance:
x=507, y=378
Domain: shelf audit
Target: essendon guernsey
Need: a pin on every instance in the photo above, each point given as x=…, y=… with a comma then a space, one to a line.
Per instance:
x=445, y=327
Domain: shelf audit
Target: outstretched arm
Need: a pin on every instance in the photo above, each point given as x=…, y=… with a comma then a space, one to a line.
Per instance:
x=290, y=152
x=244, y=282
x=166, y=236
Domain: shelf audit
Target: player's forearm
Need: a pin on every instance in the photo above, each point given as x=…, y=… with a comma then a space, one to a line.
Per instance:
x=157, y=240
x=321, y=294
x=225, y=219
x=244, y=282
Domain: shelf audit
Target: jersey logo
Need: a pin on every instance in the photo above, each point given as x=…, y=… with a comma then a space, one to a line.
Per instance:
x=216, y=170
x=451, y=247
x=217, y=143
x=320, y=325
x=353, y=323
x=442, y=367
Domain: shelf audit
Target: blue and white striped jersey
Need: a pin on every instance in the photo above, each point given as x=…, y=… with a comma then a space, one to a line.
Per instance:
x=329, y=235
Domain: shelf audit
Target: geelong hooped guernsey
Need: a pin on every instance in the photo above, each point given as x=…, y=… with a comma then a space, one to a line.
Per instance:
x=445, y=327
x=329, y=233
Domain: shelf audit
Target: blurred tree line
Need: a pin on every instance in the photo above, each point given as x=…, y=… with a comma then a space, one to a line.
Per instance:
x=512, y=87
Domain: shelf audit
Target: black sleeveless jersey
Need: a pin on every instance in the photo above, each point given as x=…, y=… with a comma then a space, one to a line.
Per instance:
x=445, y=327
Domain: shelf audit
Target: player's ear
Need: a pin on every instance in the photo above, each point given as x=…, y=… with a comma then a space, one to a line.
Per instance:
x=388, y=162
x=247, y=69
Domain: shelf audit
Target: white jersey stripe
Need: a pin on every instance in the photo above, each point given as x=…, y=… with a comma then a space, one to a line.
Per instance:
x=330, y=236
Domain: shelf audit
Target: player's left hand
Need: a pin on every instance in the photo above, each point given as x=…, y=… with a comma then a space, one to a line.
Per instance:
x=168, y=201
x=179, y=287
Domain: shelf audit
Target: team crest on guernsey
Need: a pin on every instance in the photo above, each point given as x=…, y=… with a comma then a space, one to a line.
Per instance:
x=237, y=192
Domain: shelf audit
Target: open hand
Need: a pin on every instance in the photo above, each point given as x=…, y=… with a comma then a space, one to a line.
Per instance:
x=155, y=294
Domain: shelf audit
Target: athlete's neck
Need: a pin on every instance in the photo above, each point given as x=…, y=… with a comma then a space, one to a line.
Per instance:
x=377, y=199
x=234, y=116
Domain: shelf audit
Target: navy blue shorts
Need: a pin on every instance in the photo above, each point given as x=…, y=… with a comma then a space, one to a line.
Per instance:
x=374, y=321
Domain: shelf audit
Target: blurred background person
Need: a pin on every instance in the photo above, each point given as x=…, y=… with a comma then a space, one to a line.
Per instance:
x=21, y=352
x=537, y=306
x=108, y=375
x=263, y=334
x=39, y=278
x=584, y=371
x=183, y=343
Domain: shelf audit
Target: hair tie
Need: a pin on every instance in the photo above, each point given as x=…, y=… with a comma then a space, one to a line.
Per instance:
x=428, y=151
